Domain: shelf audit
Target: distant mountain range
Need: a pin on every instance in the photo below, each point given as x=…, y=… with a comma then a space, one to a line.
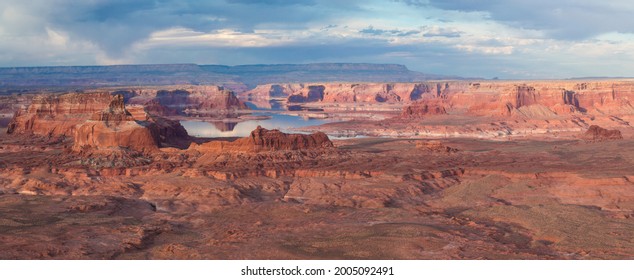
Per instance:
x=63, y=77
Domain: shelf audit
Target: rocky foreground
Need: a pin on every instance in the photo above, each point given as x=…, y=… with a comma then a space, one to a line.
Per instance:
x=87, y=176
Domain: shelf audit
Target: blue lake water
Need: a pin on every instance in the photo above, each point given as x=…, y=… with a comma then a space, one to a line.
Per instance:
x=283, y=122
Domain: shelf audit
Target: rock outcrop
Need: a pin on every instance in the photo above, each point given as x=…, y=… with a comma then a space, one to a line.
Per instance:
x=97, y=121
x=270, y=91
x=423, y=108
x=347, y=92
x=598, y=134
x=525, y=96
x=365, y=93
x=115, y=128
x=58, y=115
x=262, y=139
x=435, y=147
x=183, y=99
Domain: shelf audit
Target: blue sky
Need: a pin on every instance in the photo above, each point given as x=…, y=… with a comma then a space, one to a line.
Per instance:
x=490, y=38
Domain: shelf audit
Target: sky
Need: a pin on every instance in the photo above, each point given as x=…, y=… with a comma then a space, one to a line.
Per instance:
x=509, y=39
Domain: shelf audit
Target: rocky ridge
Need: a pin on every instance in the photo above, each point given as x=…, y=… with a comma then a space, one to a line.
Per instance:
x=262, y=139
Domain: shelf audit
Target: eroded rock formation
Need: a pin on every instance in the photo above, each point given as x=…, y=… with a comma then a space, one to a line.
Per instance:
x=435, y=147
x=347, y=92
x=599, y=134
x=262, y=139
x=96, y=121
x=58, y=115
x=424, y=107
x=183, y=99
x=115, y=128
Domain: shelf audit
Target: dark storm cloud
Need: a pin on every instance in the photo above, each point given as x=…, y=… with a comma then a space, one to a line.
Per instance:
x=114, y=25
x=562, y=19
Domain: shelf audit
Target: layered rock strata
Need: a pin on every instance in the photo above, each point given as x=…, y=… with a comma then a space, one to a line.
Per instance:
x=58, y=115
x=97, y=121
x=424, y=107
x=114, y=128
x=183, y=99
x=541, y=99
x=262, y=139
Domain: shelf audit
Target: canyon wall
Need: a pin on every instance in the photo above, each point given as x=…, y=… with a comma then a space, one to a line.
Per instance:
x=262, y=139
x=347, y=92
x=183, y=99
x=58, y=115
x=98, y=121
x=525, y=98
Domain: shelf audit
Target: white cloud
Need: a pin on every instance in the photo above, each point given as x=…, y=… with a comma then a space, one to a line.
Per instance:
x=506, y=50
x=218, y=38
x=55, y=38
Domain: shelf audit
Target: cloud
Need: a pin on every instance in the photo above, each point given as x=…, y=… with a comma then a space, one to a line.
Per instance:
x=389, y=32
x=217, y=38
x=508, y=38
x=486, y=49
x=436, y=31
x=115, y=25
x=425, y=31
x=562, y=19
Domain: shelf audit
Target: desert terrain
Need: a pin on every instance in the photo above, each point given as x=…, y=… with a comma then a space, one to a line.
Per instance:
x=451, y=169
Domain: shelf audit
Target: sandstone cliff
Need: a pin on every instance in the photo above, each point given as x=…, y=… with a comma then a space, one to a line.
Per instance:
x=58, y=115
x=270, y=91
x=183, y=99
x=543, y=98
x=538, y=99
x=262, y=139
x=346, y=92
x=424, y=107
x=114, y=128
x=97, y=121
